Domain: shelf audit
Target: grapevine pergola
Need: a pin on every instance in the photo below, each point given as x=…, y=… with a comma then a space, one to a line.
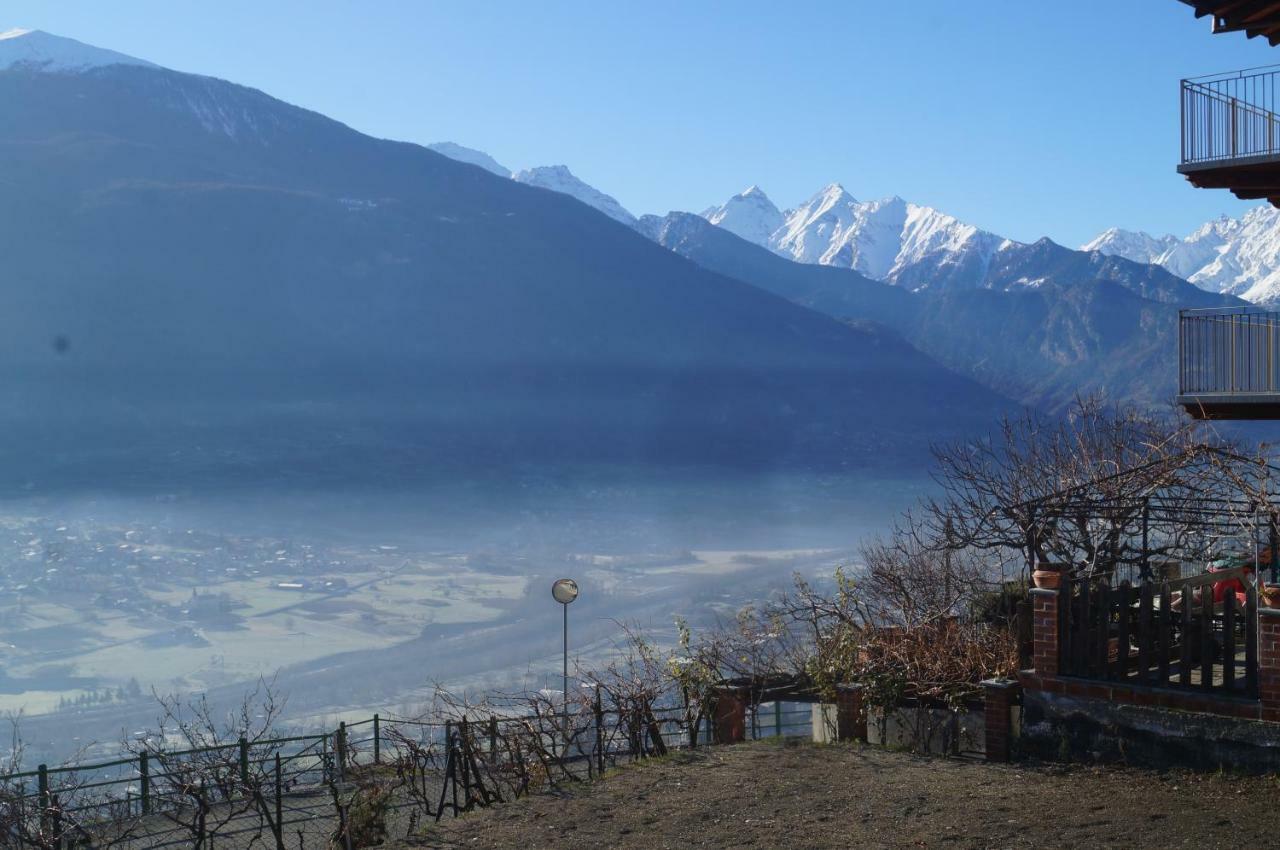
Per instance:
x=1195, y=506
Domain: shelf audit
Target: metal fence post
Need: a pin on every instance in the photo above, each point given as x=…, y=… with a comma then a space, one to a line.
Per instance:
x=144, y=775
x=57, y=821
x=341, y=746
x=244, y=760
x=493, y=738
x=597, y=709
x=377, y=741
x=777, y=717
x=43, y=785
x=201, y=832
x=279, y=802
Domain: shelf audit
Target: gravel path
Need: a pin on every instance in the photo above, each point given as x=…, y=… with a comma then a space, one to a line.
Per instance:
x=769, y=795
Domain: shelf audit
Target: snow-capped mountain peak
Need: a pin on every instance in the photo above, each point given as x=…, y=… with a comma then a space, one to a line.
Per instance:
x=558, y=178
x=818, y=230
x=44, y=51
x=888, y=239
x=1236, y=256
x=472, y=156
x=1132, y=245
x=749, y=214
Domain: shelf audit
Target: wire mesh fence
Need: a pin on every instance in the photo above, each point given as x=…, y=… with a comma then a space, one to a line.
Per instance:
x=357, y=781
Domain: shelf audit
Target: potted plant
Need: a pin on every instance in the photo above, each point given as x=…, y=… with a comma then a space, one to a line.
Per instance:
x=1047, y=576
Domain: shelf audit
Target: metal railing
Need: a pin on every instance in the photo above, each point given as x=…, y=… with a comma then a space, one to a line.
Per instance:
x=1228, y=350
x=152, y=799
x=1230, y=116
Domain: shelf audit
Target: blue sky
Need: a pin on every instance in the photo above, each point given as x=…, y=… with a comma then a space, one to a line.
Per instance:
x=1027, y=118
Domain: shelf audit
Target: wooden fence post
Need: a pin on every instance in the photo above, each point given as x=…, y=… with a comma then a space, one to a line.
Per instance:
x=377, y=741
x=1269, y=662
x=851, y=715
x=731, y=715
x=1023, y=617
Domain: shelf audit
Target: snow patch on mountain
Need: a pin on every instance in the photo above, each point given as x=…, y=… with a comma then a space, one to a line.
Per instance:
x=470, y=156
x=42, y=51
x=558, y=178
x=1132, y=245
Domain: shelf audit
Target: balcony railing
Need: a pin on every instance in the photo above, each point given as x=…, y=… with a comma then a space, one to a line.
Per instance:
x=1233, y=350
x=1231, y=116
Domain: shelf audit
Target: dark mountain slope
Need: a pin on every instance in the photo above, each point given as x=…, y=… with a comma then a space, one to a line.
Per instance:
x=839, y=292
x=1045, y=260
x=200, y=242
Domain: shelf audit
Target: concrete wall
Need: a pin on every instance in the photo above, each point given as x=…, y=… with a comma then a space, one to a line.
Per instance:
x=934, y=731
x=1057, y=726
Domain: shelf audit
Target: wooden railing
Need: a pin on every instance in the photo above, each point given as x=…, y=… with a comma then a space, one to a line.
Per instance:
x=1170, y=634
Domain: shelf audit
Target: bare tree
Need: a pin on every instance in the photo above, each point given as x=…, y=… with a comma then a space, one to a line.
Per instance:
x=212, y=771
x=69, y=810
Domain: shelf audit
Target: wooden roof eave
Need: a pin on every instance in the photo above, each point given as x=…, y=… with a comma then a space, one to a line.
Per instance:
x=1252, y=17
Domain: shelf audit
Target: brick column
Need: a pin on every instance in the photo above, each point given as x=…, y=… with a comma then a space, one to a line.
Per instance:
x=731, y=715
x=1269, y=662
x=851, y=718
x=999, y=696
x=1044, y=636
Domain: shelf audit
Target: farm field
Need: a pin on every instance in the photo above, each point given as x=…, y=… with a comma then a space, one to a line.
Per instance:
x=369, y=600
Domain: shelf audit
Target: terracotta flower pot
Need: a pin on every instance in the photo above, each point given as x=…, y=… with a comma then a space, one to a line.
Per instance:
x=1047, y=579
x=1269, y=596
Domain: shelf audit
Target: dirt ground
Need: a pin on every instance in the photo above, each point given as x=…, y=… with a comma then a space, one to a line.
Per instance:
x=773, y=796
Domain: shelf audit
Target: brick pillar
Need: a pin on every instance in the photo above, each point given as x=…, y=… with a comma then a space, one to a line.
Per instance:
x=999, y=696
x=1269, y=662
x=851, y=717
x=1044, y=635
x=731, y=715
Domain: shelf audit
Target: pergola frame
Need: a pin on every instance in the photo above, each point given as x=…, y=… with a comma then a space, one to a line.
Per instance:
x=1195, y=505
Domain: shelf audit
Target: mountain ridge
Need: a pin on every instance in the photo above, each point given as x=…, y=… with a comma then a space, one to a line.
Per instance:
x=242, y=249
x=1050, y=324
x=1235, y=256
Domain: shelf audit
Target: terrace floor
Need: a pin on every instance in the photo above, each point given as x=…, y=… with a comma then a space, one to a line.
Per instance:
x=767, y=795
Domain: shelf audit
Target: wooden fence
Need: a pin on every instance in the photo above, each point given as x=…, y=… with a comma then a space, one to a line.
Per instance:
x=1171, y=634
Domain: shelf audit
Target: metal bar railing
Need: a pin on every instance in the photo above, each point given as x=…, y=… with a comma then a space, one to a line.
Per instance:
x=1232, y=350
x=1230, y=116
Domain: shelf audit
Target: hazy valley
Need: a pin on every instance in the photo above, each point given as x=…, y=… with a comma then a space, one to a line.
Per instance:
x=283, y=398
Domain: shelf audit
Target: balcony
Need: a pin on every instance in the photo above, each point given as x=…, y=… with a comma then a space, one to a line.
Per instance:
x=1229, y=363
x=1231, y=133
